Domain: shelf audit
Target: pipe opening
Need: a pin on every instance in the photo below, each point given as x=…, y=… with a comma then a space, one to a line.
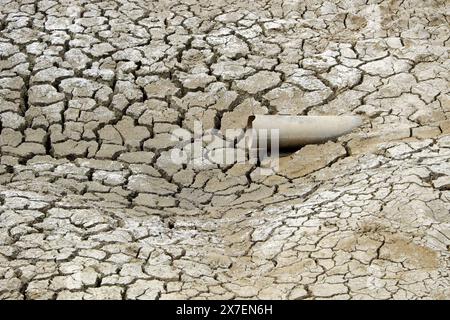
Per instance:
x=250, y=121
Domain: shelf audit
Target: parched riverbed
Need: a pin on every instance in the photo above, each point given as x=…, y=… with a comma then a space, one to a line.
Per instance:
x=92, y=207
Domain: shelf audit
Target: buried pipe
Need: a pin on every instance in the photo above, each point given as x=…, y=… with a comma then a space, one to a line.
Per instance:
x=296, y=131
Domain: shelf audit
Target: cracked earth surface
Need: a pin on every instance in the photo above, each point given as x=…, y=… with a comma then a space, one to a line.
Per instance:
x=91, y=208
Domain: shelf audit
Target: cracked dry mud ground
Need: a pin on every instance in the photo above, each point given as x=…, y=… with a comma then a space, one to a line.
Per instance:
x=91, y=208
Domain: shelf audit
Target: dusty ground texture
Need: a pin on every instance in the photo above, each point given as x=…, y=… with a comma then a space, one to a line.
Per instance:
x=90, y=207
